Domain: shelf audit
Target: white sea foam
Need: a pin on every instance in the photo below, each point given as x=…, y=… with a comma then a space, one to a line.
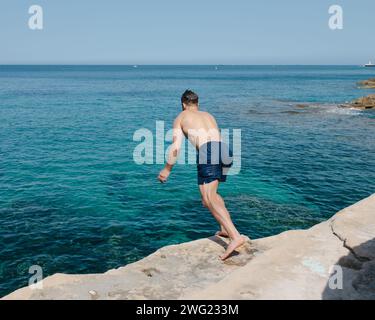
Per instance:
x=343, y=111
x=334, y=108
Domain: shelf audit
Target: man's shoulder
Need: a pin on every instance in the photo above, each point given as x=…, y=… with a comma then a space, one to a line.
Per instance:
x=179, y=118
x=187, y=114
x=208, y=115
x=180, y=115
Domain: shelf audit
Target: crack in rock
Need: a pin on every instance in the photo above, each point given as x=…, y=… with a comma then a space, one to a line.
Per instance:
x=345, y=245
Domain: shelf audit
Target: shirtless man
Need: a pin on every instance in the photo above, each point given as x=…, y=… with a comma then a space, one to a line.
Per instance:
x=202, y=131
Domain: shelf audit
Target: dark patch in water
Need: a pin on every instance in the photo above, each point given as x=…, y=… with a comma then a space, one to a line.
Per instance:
x=291, y=112
x=252, y=111
x=118, y=188
x=262, y=218
x=253, y=216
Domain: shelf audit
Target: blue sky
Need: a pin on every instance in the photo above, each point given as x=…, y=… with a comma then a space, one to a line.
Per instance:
x=187, y=32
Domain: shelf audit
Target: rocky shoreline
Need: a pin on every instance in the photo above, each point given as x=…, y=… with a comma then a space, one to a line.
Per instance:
x=367, y=84
x=297, y=264
x=363, y=103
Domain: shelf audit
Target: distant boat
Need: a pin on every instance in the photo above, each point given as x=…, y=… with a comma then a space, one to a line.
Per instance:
x=370, y=64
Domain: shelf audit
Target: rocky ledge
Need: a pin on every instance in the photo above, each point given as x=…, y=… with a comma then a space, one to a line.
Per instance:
x=367, y=84
x=333, y=260
x=363, y=103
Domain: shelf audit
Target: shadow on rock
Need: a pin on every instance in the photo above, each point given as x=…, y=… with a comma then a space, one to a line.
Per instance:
x=353, y=277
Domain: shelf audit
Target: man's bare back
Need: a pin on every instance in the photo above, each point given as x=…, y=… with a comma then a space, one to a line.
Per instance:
x=198, y=126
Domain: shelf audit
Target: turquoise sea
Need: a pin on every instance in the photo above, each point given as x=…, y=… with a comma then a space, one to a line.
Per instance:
x=72, y=200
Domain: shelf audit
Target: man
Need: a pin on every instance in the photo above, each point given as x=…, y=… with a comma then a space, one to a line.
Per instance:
x=202, y=131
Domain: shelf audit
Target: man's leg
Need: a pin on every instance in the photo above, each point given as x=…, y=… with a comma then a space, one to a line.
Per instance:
x=222, y=232
x=217, y=207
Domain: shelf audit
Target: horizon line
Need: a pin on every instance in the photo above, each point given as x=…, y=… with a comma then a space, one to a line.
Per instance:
x=159, y=64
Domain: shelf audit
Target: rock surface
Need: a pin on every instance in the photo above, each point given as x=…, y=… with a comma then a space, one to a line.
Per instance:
x=368, y=84
x=363, y=103
x=293, y=265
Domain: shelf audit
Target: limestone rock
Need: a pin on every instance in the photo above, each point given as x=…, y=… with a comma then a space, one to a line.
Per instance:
x=333, y=260
x=299, y=264
x=363, y=103
x=167, y=274
x=368, y=84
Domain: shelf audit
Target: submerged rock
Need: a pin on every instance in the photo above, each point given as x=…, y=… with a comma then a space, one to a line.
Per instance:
x=302, y=105
x=364, y=103
x=333, y=260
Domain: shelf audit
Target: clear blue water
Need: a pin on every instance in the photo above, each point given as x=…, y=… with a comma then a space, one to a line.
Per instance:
x=73, y=201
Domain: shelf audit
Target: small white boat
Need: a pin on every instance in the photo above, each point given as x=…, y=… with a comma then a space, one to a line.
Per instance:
x=370, y=64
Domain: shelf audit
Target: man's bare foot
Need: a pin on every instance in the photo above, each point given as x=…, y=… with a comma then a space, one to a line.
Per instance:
x=233, y=245
x=222, y=233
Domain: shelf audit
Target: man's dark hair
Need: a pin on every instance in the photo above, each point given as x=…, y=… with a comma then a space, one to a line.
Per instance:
x=189, y=98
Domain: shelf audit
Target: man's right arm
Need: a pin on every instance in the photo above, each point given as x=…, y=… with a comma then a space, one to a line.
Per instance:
x=174, y=150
